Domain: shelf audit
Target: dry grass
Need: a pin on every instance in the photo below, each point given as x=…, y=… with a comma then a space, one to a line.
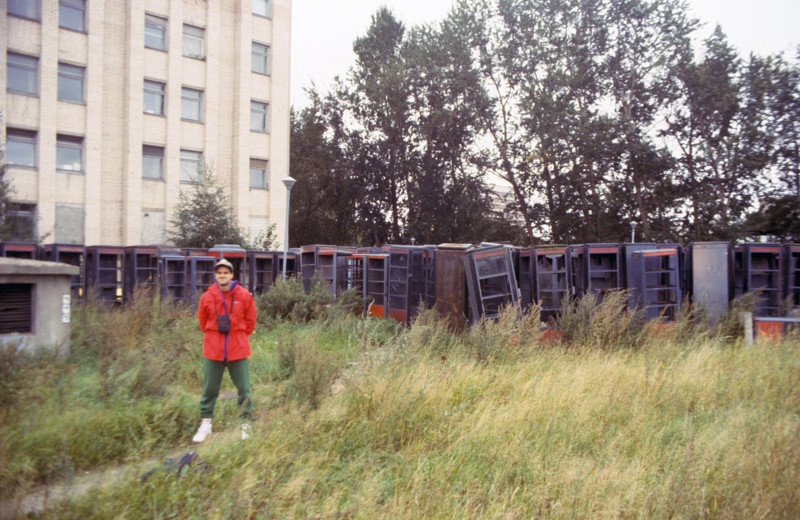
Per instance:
x=496, y=423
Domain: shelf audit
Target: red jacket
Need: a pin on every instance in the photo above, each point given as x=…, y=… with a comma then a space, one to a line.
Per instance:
x=236, y=344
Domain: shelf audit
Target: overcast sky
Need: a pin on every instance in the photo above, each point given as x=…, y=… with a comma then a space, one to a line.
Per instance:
x=323, y=31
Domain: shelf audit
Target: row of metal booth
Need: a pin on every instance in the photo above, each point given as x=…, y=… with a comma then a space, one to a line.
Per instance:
x=466, y=282
x=115, y=273
x=658, y=276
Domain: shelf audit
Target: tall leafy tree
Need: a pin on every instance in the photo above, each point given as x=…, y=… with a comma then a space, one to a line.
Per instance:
x=648, y=42
x=784, y=104
x=378, y=100
x=325, y=198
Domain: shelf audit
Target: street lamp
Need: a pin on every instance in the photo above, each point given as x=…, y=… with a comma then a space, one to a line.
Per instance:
x=288, y=182
x=633, y=232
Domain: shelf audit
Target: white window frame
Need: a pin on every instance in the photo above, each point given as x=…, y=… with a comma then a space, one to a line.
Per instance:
x=153, y=152
x=158, y=24
x=191, y=167
x=156, y=90
x=262, y=166
x=193, y=96
x=258, y=10
x=22, y=64
x=73, y=5
x=69, y=72
x=259, y=109
x=69, y=143
x=193, y=35
x=260, y=58
x=16, y=8
x=26, y=138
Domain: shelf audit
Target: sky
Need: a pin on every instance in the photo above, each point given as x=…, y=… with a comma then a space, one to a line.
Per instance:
x=323, y=31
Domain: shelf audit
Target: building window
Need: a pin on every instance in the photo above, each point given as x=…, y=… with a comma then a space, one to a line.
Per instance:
x=69, y=224
x=258, y=174
x=21, y=148
x=23, y=74
x=154, y=97
x=191, y=104
x=25, y=8
x=16, y=307
x=261, y=7
x=152, y=162
x=260, y=58
x=72, y=14
x=69, y=153
x=194, y=42
x=70, y=83
x=21, y=221
x=191, y=164
x=258, y=116
x=155, y=32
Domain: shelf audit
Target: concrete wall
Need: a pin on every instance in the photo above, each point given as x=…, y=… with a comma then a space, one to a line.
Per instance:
x=51, y=304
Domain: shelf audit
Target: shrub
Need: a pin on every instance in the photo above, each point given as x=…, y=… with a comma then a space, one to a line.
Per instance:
x=287, y=300
x=608, y=324
x=140, y=348
x=312, y=370
x=10, y=364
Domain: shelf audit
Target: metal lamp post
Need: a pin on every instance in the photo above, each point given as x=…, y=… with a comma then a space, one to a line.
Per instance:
x=288, y=182
x=633, y=232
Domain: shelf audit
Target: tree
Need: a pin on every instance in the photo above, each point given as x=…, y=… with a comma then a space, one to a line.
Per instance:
x=204, y=216
x=784, y=105
x=328, y=194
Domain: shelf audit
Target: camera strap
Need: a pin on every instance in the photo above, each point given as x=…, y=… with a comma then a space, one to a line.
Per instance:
x=224, y=306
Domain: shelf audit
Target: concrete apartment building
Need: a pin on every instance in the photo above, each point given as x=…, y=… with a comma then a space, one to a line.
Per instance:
x=110, y=108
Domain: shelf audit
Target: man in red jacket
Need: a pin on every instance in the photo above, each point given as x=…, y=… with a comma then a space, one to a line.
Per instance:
x=227, y=317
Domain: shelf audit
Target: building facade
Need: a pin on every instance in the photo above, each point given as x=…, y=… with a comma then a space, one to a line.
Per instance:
x=111, y=109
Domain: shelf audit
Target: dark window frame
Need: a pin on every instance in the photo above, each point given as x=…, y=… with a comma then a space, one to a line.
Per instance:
x=149, y=88
x=262, y=128
x=76, y=5
x=197, y=157
x=185, y=91
x=72, y=75
x=265, y=169
x=37, y=6
x=153, y=21
x=201, y=38
x=27, y=137
x=71, y=142
x=26, y=68
x=260, y=51
x=153, y=151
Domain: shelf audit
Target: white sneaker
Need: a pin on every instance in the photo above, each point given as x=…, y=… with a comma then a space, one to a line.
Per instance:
x=202, y=432
x=245, y=431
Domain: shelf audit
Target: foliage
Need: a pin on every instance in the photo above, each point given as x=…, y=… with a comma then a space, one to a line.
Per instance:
x=596, y=113
x=312, y=370
x=204, y=215
x=603, y=324
x=288, y=300
x=263, y=241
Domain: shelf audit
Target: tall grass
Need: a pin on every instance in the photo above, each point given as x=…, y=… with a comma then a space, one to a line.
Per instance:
x=496, y=422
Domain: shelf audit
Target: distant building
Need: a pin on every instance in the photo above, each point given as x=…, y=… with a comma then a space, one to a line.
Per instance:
x=111, y=107
x=503, y=204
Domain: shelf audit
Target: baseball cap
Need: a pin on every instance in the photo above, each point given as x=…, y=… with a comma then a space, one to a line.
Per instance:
x=223, y=263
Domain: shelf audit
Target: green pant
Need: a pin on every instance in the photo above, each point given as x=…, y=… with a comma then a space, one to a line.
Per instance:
x=212, y=377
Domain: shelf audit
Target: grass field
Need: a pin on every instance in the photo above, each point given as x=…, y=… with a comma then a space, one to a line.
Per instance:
x=362, y=418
